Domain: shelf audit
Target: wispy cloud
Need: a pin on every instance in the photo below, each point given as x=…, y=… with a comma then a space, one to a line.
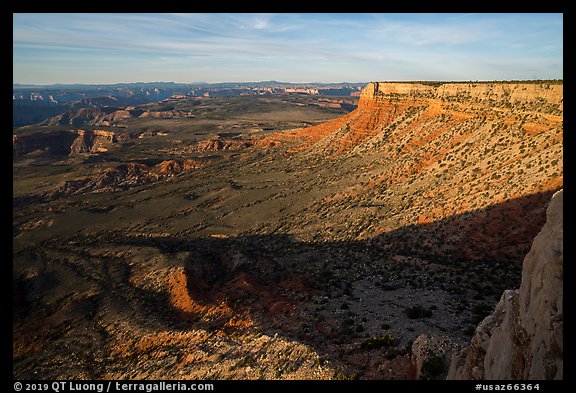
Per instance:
x=298, y=46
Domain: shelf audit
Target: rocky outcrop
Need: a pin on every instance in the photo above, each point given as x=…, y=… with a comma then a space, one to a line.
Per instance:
x=70, y=142
x=119, y=177
x=92, y=141
x=523, y=337
x=120, y=114
x=219, y=143
x=431, y=356
x=166, y=114
x=161, y=114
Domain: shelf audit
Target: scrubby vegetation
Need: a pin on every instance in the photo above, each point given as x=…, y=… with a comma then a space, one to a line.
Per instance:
x=418, y=311
x=384, y=340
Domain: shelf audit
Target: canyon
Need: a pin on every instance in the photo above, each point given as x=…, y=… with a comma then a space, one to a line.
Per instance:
x=33, y=104
x=281, y=237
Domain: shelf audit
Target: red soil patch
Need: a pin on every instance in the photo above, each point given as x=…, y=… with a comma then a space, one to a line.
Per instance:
x=534, y=128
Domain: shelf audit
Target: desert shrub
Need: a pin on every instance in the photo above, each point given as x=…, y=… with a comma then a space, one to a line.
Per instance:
x=246, y=361
x=345, y=376
x=433, y=366
x=469, y=330
x=391, y=354
x=418, y=311
x=480, y=311
x=191, y=196
x=385, y=340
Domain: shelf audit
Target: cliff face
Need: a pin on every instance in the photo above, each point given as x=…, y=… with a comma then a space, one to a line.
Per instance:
x=523, y=337
x=489, y=93
x=57, y=143
x=70, y=142
x=96, y=141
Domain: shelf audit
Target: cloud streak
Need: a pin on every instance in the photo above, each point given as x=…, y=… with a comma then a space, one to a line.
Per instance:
x=290, y=47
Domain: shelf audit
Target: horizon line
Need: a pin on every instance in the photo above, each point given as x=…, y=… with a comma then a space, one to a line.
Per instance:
x=281, y=82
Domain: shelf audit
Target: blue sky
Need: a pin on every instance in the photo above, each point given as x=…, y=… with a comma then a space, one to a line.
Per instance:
x=113, y=48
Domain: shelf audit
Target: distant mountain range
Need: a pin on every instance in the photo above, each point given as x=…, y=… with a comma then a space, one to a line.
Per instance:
x=136, y=85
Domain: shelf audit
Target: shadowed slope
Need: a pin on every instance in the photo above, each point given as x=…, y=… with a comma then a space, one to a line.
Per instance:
x=134, y=298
